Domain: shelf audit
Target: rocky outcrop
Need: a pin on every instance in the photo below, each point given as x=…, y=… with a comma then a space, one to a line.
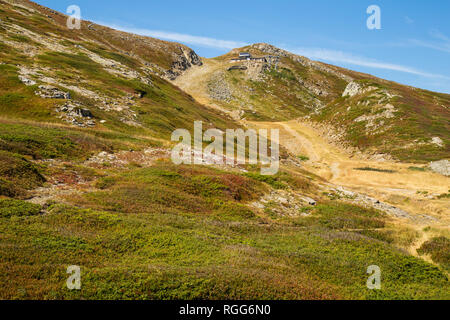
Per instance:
x=317, y=88
x=375, y=121
x=255, y=70
x=123, y=158
x=352, y=90
x=441, y=167
x=50, y=92
x=26, y=81
x=438, y=142
x=237, y=68
x=285, y=203
x=366, y=201
x=185, y=60
x=194, y=58
x=76, y=114
x=219, y=89
x=272, y=50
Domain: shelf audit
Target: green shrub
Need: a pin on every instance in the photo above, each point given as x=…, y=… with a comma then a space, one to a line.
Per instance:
x=273, y=181
x=105, y=183
x=417, y=169
x=20, y=38
x=232, y=210
x=336, y=215
x=46, y=142
x=208, y=186
x=303, y=158
x=10, y=207
x=375, y=170
x=17, y=173
x=444, y=196
x=438, y=249
x=9, y=189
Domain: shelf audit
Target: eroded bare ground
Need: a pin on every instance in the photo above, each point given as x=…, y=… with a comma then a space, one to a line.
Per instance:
x=68, y=180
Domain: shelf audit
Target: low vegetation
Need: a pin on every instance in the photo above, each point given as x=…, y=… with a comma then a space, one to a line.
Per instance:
x=169, y=232
x=418, y=116
x=303, y=158
x=439, y=250
x=17, y=208
x=417, y=169
x=375, y=170
x=17, y=174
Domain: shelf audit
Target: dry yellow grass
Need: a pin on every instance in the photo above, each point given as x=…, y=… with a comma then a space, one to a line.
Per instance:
x=403, y=187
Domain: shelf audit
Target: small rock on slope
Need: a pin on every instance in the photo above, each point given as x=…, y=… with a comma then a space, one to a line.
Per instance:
x=441, y=167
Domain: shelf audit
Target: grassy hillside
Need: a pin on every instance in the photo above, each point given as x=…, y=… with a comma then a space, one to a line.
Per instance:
x=393, y=119
x=129, y=49
x=170, y=232
x=132, y=109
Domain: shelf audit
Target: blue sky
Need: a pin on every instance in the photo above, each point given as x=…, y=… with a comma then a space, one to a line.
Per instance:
x=412, y=47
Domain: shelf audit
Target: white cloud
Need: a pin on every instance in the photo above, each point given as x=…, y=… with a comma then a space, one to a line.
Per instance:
x=313, y=53
x=179, y=37
x=348, y=58
x=430, y=45
x=442, y=42
x=408, y=20
x=439, y=35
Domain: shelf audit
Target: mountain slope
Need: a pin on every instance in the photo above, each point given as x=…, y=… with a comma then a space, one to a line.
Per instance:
x=118, y=78
x=371, y=114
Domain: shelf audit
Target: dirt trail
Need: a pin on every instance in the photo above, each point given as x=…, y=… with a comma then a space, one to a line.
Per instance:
x=195, y=82
x=303, y=141
x=425, y=236
x=397, y=185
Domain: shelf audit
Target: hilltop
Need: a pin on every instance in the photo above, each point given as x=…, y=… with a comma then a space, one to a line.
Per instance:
x=356, y=110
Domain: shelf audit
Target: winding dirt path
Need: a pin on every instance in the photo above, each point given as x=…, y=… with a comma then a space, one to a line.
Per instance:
x=195, y=82
x=412, y=191
x=394, y=183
